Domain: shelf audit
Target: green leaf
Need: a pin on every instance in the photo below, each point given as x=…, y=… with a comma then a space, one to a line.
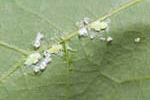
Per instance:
x=97, y=71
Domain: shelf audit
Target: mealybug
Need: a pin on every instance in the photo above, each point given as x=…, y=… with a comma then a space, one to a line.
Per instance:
x=37, y=42
x=137, y=40
x=32, y=59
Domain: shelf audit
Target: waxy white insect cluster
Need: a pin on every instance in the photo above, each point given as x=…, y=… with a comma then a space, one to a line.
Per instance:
x=40, y=62
x=36, y=60
x=86, y=29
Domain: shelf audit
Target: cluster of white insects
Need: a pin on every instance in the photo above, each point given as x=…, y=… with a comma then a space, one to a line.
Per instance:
x=37, y=42
x=40, y=63
x=86, y=29
x=43, y=63
x=36, y=60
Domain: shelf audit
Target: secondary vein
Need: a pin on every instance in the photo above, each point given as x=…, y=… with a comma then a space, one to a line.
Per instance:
x=14, y=48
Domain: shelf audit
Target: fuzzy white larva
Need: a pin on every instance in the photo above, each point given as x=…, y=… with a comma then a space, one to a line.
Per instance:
x=48, y=57
x=83, y=22
x=37, y=42
x=43, y=64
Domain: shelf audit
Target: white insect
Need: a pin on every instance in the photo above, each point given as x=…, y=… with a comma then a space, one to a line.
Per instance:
x=109, y=39
x=37, y=42
x=43, y=64
x=137, y=40
x=102, y=38
x=86, y=20
x=83, y=32
x=99, y=26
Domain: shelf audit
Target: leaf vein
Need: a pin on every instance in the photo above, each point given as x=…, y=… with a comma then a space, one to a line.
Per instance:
x=14, y=48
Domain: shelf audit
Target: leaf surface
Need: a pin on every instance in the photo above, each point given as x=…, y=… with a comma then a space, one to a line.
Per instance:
x=120, y=71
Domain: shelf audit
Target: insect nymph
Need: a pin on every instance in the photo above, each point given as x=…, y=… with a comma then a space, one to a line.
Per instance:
x=99, y=25
x=109, y=39
x=45, y=61
x=32, y=59
x=37, y=42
